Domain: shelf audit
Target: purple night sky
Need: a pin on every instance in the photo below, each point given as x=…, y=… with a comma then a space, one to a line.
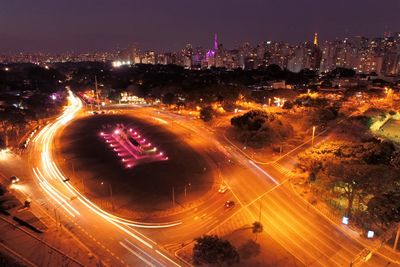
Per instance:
x=88, y=25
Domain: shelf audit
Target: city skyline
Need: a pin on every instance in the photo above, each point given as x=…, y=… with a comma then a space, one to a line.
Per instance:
x=47, y=27
x=364, y=55
x=199, y=133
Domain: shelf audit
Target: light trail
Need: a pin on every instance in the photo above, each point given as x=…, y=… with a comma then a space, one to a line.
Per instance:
x=263, y=172
x=160, y=120
x=51, y=173
x=136, y=254
x=165, y=257
x=144, y=252
x=57, y=198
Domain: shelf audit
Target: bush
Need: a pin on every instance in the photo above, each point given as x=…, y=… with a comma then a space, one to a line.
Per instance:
x=211, y=249
x=258, y=128
x=206, y=113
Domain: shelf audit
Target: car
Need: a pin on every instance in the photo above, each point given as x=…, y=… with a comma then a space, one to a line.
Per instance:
x=222, y=189
x=14, y=180
x=229, y=204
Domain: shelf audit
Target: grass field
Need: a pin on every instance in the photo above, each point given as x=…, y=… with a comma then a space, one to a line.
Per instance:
x=146, y=187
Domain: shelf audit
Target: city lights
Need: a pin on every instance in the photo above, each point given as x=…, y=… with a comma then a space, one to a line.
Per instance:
x=187, y=134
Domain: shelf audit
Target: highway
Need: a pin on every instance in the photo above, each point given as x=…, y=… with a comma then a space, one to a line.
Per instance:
x=309, y=236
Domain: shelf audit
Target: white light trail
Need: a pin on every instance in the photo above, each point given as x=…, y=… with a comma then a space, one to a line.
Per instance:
x=136, y=254
x=263, y=172
x=51, y=174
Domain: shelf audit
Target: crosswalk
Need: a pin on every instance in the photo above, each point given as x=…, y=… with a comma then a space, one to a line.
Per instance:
x=285, y=171
x=172, y=247
x=239, y=221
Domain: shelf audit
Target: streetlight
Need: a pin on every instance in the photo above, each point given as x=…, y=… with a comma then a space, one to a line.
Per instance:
x=111, y=194
x=313, y=135
x=186, y=186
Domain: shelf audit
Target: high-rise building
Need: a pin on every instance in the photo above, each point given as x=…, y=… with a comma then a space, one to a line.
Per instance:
x=315, y=39
x=135, y=56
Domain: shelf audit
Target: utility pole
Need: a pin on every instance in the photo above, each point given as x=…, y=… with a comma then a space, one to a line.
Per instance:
x=185, y=190
x=97, y=92
x=396, y=241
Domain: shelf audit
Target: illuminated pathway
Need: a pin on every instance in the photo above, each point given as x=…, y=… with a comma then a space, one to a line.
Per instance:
x=96, y=223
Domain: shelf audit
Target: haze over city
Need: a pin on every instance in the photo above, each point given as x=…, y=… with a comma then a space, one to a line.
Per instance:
x=86, y=26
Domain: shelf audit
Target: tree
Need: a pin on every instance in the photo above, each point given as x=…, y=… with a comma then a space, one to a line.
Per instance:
x=257, y=128
x=288, y=105
x=385, y=208
x=257, y=228
x=2, y=144
x=210, y=249
x=323, y=115
x=10, y=120
x=359, y=181
x=350, y=179
x=395, y=160
x=342, y=73
x=169, y=99
x=206, y=113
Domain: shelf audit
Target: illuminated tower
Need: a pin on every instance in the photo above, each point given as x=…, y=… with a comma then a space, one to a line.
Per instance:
x=316, y=39
x=215, y=42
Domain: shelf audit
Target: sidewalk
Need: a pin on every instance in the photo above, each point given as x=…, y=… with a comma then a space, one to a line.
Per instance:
x=375, y=245
x=372, y=244
x=55, y=247
x=52, y=248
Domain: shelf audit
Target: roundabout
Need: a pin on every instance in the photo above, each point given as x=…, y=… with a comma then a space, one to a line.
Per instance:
x=150, y=171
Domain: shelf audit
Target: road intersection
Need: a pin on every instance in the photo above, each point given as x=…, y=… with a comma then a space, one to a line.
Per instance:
x=306, y=234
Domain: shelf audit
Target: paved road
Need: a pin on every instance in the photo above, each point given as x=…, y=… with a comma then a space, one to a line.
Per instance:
x=306, y=234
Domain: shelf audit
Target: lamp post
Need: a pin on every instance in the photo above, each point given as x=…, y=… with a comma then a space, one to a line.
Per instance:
x=186, y=187
x=111, y=194
x=313, y=135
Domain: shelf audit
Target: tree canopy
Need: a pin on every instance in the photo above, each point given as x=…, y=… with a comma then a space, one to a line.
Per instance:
x=385, y=208
x=258, y=128
x=211, y=249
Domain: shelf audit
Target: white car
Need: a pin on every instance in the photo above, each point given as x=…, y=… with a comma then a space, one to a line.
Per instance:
x=14, y=180
x=222, y=189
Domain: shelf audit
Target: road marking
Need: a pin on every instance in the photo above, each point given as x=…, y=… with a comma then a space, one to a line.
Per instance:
x=144, y=252
x=159, y=253
x=136, y=254
x=264, y=172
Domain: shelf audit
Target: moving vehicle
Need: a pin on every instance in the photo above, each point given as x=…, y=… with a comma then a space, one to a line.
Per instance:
x=229, y=204
x=222, y=189
x=14, y=180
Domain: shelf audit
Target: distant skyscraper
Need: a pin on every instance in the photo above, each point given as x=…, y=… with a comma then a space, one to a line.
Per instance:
x=212, y=53
x=215, y=42
x=316, y=39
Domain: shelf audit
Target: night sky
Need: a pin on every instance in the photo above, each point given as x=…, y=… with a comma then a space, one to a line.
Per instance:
x=82, y=25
